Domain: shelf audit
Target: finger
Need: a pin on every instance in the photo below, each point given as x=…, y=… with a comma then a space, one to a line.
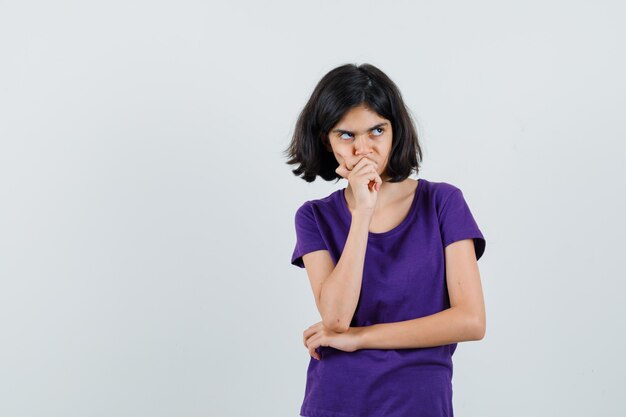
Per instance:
x=353, y=166
x=342, y=170
x=363, y=164
x=312, y=345
x=363, y=159
x=369, y=173
x=313, y=351
x=306, y=334
x=311, y=331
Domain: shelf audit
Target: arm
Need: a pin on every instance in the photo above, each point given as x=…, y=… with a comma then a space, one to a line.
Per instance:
x=463, y=321
x=341, y=290
x=338, y=293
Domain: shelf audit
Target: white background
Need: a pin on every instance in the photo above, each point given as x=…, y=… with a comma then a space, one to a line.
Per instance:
x=146, y=210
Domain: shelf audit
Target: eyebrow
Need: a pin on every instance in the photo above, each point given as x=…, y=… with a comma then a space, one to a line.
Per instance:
x=371, y=128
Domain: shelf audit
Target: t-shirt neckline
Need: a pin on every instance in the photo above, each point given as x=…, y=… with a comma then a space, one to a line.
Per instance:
x=403, y=224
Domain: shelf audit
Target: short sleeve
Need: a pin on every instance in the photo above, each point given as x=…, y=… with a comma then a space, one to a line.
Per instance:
x=308, y=237
x=457, y=223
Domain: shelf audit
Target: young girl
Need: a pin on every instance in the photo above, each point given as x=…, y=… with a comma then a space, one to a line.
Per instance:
x=392, y=261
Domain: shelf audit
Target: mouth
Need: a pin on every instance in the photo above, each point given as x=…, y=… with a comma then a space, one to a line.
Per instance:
x=353, y=165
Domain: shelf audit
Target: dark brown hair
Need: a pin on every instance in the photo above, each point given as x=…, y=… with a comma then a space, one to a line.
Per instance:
x=340, y=90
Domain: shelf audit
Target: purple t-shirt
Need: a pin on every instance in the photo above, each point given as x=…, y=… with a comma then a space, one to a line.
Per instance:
x=403, y=279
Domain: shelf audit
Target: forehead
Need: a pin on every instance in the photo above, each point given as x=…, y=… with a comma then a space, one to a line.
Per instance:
x=360, y=117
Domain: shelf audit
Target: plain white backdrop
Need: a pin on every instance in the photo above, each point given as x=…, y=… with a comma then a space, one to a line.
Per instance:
x=146, y=210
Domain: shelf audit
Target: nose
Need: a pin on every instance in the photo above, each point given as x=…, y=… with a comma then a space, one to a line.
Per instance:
x=362, y=146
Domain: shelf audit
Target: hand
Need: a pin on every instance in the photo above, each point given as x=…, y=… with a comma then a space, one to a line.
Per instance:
x=319, y=335
x=364, y=181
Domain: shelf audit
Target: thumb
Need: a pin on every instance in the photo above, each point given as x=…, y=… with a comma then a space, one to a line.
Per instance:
x=342, y=170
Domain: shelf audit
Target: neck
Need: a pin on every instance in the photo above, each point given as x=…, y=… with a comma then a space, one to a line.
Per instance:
x=388, y=191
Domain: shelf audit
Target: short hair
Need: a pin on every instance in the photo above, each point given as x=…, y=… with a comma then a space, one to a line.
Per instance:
x=340, y=90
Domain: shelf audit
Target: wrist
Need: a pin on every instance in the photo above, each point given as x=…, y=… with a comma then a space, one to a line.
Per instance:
x=360, y=335
x=365, y=214
x=361, y=220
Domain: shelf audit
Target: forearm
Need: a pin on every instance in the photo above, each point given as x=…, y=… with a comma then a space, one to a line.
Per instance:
x=448, y=326
x=340, y=292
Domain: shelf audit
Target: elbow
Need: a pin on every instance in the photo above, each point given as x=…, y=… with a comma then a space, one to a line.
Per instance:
x=332, y=319
x=336, y=325
x=479, y=328
x=341, y=328
x=474, y=323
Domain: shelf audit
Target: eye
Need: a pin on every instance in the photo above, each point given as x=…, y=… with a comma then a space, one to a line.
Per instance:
x=381, y=130
x=341, y=136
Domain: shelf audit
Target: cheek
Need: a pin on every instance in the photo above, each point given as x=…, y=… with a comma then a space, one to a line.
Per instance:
x=342, y=155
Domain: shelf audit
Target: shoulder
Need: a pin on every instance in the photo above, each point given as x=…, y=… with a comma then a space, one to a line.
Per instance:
x=321, y=203
x=439, y=191
x=317, y=208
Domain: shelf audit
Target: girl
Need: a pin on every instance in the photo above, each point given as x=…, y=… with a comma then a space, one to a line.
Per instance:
x=392, y=261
